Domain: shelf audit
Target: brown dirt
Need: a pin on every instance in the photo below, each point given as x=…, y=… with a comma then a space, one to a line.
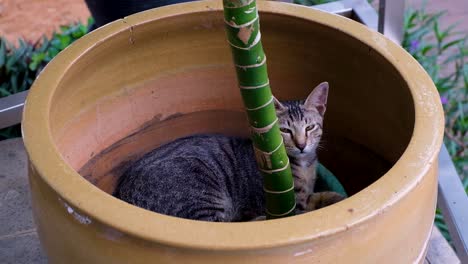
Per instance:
x=30, y=19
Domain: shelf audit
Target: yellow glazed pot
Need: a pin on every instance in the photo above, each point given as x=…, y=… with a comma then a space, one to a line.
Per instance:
x=141, y=81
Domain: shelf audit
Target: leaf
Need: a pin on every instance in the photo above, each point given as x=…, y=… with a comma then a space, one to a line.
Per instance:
x=426, y=49
x=436, y=31
x=456, y=56
x=439, y=217
x=451, y=43
x=22, y=44
x=10, y=63
x=409, y=20
x=83, y=29
x=64, y=28
x=3, y=53
x=14, y=83
x=44, y=44
x=4, y=93
x=4, y=90
x=36, y=60
x=445, y=84
x=77, y=34
x=90, y=21
x=465, y=76
x=65, y=40
x=53, y=51
x=38, y=57
x=33, y=65
x=444, y=34
x=55, y=42
x=420, y=33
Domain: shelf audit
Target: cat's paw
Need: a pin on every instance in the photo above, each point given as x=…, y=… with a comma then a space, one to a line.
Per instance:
x=259, y=218
x=322, y=199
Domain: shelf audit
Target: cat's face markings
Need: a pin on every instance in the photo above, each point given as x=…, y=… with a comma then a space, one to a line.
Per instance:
x=301, y=123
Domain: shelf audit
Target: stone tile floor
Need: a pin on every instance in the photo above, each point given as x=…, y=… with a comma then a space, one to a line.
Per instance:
x=19, y=242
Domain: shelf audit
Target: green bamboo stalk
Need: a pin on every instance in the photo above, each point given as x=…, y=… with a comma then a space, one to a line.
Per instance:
x=243, y=34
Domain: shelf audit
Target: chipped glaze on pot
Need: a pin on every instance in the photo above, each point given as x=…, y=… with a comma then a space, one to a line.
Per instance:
x=154, y=76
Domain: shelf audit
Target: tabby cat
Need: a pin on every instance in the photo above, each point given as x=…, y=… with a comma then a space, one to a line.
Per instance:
x=215, y=177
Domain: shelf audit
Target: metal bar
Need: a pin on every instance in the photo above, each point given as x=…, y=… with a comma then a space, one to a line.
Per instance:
x=380, y=26
x=359, y=10
x=11, y=109
x=453, y=202
x=338, y=8
x=391, y=19
x=363, y=12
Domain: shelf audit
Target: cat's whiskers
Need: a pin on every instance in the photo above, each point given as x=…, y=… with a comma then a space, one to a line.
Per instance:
x=320, y=146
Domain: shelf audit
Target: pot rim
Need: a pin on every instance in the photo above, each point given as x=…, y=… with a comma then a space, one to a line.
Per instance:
x=89, y=201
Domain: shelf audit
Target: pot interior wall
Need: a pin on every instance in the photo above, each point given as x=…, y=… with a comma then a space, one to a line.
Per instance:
x=173, y=77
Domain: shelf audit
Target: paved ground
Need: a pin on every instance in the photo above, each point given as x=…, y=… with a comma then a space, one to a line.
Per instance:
x=30, y=19
x=19, y=243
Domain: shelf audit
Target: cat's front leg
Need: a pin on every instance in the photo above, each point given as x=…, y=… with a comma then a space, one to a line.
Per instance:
x=322, y=199
x=259, y=218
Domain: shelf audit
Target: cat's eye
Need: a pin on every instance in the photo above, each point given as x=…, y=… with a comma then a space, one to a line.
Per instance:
x=311, y=127
x=285, y=130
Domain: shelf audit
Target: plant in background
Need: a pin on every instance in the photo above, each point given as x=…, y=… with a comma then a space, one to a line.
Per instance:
x=243, y=34
x=15, y=75
x=20, y=65
x=59, y=41
x=437, y=50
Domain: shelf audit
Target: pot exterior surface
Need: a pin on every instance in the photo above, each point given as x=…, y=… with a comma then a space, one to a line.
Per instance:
x=149, y=78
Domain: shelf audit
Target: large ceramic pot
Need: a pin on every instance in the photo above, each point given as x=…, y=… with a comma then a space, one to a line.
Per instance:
x=166, y=73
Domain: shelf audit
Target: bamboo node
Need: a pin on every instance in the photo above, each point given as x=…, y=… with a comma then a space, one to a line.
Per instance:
x=276, y=170
x=263, y=130
x=262, y=106
x=283, y=214
x=278, y=192
x=252, y=65
x=255, y=87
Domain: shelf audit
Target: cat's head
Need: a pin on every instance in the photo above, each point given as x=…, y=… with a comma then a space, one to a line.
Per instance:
x=301, y=122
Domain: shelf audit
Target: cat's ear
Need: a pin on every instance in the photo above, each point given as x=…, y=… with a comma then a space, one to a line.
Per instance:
x=318, y=98
x=279, y=107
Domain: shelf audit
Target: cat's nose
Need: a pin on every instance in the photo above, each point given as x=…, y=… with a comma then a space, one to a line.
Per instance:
x=301, y=146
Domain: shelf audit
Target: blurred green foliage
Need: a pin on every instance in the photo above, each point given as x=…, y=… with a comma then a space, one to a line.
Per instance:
x=20, y=64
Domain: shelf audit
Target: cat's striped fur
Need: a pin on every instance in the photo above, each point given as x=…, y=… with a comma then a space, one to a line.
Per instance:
x=215, y=177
